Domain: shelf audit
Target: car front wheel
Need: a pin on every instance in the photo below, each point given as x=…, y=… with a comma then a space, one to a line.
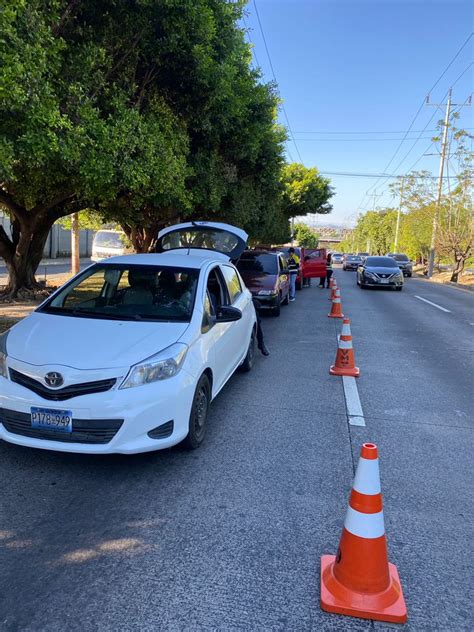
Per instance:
x=400, y=288
x=199, y=412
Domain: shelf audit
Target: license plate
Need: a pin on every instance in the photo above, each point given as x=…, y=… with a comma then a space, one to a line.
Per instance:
x=384, y=281
x=51, y=419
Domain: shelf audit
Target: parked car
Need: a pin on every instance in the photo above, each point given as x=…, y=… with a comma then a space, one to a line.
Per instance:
x=337, y=257
x=314, y=264
x=127, y=356
x=108, y=243
x=380, y=272
x=404, y=263
x=351, y=262
x=266, y=275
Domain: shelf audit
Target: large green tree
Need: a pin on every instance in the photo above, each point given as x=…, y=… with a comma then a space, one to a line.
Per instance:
x=75, y=127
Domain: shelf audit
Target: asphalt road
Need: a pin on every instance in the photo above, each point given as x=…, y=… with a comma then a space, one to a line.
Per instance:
x=229, y=537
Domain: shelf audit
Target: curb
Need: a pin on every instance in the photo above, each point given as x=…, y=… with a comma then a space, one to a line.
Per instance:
x=461, y=288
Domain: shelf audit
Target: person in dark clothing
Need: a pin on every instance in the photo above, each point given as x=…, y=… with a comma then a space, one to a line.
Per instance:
x=260, y=341
x=329, y=271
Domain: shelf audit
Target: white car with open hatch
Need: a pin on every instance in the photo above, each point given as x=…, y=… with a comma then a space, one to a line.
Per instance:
x=127, y=356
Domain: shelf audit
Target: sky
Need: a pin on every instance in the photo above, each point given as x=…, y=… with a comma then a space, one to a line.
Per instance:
x=351, y=66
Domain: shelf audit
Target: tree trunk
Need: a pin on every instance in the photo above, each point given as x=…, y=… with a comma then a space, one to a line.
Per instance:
x=458, y=268
x=24, y=261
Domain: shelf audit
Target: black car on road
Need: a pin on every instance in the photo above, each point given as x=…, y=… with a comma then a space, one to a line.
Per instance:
x=404, y=263
x=352, y=262
x=380, y=272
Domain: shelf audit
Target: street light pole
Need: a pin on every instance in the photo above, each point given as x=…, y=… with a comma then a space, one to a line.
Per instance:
x=395, y=248
x=440, y=188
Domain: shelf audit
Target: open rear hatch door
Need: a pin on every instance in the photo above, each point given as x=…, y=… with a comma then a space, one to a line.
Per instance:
x=198, y=236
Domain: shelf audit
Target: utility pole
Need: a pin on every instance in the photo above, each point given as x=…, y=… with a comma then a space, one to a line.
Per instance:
x=75, y=264
x=397, y=230
x=444, y=145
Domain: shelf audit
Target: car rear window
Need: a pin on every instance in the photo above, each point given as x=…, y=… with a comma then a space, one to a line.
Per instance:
x=109, y=239
x=381, y=262
x=266, y=263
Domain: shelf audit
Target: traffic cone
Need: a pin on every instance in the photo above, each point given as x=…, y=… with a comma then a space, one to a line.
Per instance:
x=345, y=363
x=360, y=581
x=336, y=308
x=333, y=287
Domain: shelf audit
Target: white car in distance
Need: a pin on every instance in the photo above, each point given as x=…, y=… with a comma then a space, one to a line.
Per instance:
x=127, y=356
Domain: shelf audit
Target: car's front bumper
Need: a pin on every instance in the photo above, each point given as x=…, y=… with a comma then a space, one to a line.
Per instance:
x=266, y=302
x=383, y=282
x=348, y=266
x=140, y=410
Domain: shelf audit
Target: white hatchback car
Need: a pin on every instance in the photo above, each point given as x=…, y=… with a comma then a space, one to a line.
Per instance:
x=127, y=356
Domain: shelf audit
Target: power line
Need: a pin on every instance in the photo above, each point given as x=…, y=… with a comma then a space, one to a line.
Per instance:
x=367, y=132
x=419, y=110
x=353, y=140
x=254, y=54
x=451, y=63
x=275, y=79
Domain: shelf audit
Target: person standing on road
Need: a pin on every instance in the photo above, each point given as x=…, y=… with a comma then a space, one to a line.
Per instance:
x=293, y=267
x=329, y=271
x=260, y=341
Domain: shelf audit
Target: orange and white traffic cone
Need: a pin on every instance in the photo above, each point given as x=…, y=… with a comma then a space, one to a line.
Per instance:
x=336, y=307
x=333, y=287
x=360, y=581
x=345, y=363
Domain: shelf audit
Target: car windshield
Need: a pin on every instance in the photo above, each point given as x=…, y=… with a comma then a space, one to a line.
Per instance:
x=109, y=239
x=380, y=262
x=128, y=292
x=267, y=264
x=354, y=258
x=400, y=257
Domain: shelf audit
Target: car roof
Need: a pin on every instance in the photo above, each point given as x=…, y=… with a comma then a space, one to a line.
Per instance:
x=173, y=259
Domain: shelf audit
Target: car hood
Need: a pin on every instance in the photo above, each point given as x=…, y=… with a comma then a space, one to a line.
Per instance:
x=87, y=343
x=258, y=281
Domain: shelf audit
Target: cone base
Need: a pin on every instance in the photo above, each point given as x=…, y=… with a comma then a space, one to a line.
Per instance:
x=335, y=315
x=335, y=370
x=388, y=605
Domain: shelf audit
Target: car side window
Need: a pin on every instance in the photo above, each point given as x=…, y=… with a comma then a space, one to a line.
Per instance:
x=233, y=283
x=281, y=264
x=217, y=289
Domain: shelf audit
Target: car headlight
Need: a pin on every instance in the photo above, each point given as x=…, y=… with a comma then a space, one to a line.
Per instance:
x=371, y=275
x=3, y=355
x=266, y=293
x=161, y=366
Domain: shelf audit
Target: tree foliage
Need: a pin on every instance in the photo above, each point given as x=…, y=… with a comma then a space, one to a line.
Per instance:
x=146, y=111
x=306, y=236
x=305, y=191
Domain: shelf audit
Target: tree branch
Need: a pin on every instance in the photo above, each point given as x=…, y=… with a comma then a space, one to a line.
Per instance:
x=16, y=209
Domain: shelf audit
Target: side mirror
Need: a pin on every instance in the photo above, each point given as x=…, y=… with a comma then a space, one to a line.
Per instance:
x=228, y=314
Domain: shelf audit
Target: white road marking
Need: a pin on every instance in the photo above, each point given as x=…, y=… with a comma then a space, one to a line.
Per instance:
x=353, y=405
x=443, y=309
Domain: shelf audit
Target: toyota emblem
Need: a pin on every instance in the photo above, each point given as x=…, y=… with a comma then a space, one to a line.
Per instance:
x=54, y=379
